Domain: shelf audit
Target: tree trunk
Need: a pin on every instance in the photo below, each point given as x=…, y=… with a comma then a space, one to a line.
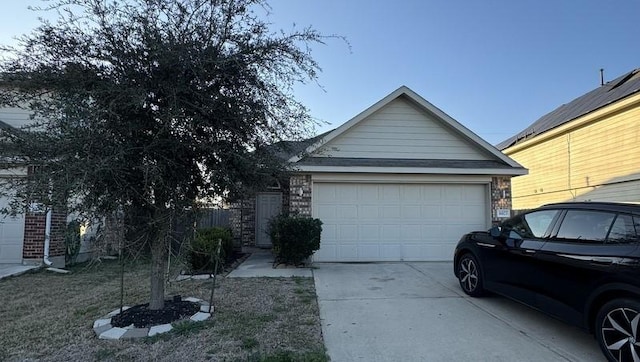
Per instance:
x=158, y=266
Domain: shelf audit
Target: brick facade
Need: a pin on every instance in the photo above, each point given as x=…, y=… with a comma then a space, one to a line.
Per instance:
x=300, y=194
x=34, y=237
x=243, y=222
x=500, y=197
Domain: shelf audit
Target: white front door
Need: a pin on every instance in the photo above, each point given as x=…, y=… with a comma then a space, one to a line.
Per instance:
x=396, y=222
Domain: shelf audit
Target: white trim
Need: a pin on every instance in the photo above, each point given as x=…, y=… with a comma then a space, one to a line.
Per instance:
x=415, y=170
x=398, y=178
x=425, y=105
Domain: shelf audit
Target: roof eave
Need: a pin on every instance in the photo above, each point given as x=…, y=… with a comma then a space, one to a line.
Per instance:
x=599, y=114
x=413, y=170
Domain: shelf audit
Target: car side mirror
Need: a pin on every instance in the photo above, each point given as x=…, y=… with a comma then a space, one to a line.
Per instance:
x=495, y=231
x=514, y=235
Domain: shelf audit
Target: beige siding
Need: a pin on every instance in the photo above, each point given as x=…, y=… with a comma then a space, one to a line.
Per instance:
x=401, y=130
x=15, y=117
x=597, y=162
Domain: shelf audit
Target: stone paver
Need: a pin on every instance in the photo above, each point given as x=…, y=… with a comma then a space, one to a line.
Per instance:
x=104, y=330
x=163, y=328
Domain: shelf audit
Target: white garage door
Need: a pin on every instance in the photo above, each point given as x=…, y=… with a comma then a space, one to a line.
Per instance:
x=11, y=236
x=395, y=222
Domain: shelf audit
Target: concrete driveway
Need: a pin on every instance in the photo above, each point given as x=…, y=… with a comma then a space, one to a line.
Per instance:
x=417, y=312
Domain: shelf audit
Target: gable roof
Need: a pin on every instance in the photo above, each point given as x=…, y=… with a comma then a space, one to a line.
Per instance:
x=613, y=91
x=501, y=161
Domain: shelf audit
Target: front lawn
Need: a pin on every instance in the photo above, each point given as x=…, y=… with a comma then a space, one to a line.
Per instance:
x=48, y=316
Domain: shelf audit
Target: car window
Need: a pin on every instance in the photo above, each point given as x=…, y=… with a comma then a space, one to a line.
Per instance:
x=623, y=230
x=531, y=225
x=586, y=226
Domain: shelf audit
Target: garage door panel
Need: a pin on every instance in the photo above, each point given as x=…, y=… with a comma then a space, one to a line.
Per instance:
x=411, y=232
x=390, y=193
x=347, y=232
x=390, y=252
x=330, y=231
x=369, y=232
x=391, y=211
x=368, y=251
x=347, y=212
x=326, y=212
x=411, y=211
x=395, y=221
x=369, y=211
x=348, y=193
x=411, y=194
x=11, y=236
x=390, y=232
x=348, y=252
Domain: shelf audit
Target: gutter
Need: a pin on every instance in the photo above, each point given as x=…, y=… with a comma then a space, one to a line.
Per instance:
x=47, y=239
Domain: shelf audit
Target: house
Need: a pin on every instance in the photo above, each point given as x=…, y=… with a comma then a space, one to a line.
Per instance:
x=400, y=181
x=585, y=150
x=22, y=237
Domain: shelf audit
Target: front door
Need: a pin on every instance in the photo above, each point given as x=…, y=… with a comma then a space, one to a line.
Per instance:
x=268, y=205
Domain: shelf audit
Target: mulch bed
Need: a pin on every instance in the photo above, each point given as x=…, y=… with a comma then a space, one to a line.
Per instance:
x=141, y=316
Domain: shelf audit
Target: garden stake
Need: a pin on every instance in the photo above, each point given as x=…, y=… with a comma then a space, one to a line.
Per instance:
x=215, y=271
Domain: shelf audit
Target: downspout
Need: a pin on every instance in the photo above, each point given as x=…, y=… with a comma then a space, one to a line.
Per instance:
x=47, y=238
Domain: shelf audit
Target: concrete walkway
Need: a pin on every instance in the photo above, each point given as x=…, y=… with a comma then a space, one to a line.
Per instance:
x=7, y=270
x=260, y=264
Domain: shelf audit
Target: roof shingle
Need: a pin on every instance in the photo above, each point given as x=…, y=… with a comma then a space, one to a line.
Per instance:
x=602, y=96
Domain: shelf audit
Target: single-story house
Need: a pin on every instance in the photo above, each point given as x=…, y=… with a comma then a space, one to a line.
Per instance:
x=585, y=150
x=22, y=237
x=400, y=181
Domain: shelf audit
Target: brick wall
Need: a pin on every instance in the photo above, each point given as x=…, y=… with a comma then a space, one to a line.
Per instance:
x=243, y=221
x=500, y=197
x=300, y=195
x=34, y=235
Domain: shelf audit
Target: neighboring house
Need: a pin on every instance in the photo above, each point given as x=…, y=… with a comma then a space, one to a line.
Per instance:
x=585, y=150
x=400, y=181
x=22, y=238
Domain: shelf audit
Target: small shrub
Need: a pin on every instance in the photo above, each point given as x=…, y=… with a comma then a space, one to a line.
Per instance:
x=203, y=247
x=72, y=242
x=294, y=238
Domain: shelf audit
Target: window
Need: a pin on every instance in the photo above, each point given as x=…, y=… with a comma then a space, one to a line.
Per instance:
x=531, y=225
x=623, y=230
x=586, y=226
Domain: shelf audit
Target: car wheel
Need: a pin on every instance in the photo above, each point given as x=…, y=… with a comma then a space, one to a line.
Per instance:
x=470, y=276
x=617, y=330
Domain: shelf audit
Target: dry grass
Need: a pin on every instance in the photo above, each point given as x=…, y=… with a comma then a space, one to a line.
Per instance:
x=49, y=317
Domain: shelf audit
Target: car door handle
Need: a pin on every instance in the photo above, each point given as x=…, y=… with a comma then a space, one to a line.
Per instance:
x=602, y=261
x=529, y=251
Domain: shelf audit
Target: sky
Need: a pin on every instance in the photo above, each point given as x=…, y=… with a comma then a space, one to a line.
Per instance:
x=495, y=66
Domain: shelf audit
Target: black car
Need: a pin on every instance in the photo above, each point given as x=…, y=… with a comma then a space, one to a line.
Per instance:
x=579, y=262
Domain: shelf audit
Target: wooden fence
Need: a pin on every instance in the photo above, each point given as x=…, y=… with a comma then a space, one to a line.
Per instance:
x=214, y=217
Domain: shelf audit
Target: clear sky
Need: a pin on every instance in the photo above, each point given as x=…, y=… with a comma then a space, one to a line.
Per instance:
x=495, y=66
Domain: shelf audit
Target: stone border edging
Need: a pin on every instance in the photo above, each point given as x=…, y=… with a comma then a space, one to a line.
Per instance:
x=104, y=330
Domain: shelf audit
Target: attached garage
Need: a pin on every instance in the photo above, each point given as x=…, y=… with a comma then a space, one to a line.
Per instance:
x=401, y=181
x=389, y=222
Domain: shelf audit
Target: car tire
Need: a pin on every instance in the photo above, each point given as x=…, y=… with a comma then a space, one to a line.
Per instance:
x=618, y=329
x=470, y=275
